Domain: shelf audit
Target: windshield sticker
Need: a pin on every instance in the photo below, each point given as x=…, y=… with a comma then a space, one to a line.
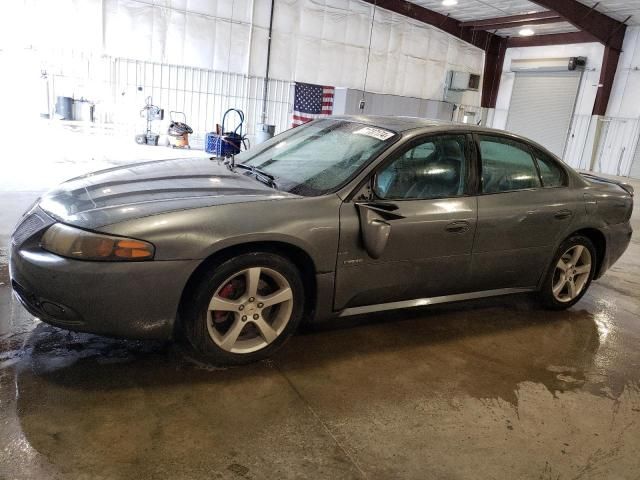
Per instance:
x=373, y=132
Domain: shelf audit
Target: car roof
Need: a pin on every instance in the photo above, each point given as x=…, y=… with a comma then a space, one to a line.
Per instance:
x=401, y=124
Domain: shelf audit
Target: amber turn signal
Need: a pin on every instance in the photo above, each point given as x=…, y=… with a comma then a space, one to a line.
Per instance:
x=73, y=242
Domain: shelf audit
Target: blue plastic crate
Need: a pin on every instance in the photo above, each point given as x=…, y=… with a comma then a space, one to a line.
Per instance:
x=222, y=145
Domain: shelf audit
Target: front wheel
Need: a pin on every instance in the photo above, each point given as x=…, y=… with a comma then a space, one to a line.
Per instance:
x=245, y=308
x=570, y=274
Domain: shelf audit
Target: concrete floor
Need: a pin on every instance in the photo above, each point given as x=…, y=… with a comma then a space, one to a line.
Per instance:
x=496, y=388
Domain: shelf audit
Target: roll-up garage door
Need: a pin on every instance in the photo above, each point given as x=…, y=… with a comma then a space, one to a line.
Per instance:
x=542, y=105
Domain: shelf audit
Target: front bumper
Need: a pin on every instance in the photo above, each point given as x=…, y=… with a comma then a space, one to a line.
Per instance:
x=123, y=299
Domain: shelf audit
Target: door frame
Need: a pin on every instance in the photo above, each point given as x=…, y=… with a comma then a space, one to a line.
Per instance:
x=471, y=157
x=530, y=148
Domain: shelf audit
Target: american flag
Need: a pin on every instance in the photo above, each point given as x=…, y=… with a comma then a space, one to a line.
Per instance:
x=310, y=102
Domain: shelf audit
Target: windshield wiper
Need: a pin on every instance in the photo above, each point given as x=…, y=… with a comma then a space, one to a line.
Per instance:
x=261, y=175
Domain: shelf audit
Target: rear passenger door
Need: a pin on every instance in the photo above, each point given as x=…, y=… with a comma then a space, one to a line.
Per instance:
x=524, y=208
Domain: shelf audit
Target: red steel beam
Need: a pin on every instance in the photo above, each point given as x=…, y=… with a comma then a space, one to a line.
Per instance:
x=605, y=29
x=607, y=75
x=450, y=25
x=550, y=39
x=538, y=18
x=492, y=74
x=499, y=26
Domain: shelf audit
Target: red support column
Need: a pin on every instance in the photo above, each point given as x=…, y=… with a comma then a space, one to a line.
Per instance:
x=493, y=62
x=607, y=75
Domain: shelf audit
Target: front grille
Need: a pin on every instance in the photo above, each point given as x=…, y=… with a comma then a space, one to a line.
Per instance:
x=31, y=225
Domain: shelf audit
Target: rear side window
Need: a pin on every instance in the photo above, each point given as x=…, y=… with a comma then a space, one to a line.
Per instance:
x=551, y=173
x=507, y=165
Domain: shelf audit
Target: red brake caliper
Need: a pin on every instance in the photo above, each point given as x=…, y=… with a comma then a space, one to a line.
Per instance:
x=226, y=292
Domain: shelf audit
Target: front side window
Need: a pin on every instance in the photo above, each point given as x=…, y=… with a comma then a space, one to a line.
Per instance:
x=436, y=168
x=318, y=157
x=507, y=165
x=551, y=173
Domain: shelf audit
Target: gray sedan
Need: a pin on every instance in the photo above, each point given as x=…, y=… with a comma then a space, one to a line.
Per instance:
x=342, y=216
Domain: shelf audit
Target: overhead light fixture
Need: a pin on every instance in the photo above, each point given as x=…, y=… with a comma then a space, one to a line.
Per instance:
x=449, y=3
x=526, y=32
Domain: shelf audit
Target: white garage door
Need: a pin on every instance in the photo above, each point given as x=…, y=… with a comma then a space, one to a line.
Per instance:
x=542, y=105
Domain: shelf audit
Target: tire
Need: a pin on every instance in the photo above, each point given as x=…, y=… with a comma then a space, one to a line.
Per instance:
x=241, y=308
x=557, y=292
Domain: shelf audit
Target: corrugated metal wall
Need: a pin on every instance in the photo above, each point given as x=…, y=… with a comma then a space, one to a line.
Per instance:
x=617, y=145
x=577, y=152
x=120, y=86
x=204, y=95
x=635, y=166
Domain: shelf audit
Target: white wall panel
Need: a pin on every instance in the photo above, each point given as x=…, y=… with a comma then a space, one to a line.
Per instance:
x=326, y=42
x=635, y=166
x=617, y=146
x=578, y=153
x=625, y=96
x=316, y=41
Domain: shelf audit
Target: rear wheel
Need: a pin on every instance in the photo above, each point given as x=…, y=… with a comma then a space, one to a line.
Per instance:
x=245, y=308
x=570, y=274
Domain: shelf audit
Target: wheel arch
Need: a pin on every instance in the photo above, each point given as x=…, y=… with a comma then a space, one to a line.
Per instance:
x=599, y=241
x=296, y=254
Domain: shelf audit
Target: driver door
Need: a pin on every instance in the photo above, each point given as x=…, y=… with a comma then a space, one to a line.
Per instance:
x=412, y=237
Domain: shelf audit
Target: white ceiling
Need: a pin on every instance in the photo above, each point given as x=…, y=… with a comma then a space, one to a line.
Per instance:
x=618, y=9
x=467, y=10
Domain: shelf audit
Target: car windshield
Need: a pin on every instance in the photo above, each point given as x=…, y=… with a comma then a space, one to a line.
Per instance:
x=317, y=157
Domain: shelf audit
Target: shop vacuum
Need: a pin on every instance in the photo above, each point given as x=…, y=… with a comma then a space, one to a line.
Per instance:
x=179, y=132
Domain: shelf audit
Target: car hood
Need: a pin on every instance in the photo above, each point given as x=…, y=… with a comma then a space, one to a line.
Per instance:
x=139, y=190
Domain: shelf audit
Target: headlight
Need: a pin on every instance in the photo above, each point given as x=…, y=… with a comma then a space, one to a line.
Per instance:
x=72, y=242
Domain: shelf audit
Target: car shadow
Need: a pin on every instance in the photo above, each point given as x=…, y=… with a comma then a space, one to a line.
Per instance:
x=101, y=405
x=513, y=332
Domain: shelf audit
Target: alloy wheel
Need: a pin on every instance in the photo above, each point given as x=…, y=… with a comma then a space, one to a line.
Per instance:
x=571, y=273
x=249, y=310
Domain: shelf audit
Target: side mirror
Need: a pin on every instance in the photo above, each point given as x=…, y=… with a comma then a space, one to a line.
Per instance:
x=374, y=225
x=375, y=231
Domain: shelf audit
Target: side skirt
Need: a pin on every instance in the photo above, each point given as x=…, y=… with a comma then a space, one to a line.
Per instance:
x=421, y=302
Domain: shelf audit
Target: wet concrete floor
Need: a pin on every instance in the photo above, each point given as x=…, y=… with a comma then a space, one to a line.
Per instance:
x=496, y=388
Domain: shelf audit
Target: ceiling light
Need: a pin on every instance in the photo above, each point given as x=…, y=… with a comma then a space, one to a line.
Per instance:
x=449, y=3
x=526, y=32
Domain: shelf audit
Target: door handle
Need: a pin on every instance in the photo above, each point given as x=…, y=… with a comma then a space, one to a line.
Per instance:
x=562, y=214
x=458, y=227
